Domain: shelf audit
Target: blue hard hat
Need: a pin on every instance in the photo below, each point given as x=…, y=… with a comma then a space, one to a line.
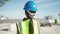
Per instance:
x=31, y=6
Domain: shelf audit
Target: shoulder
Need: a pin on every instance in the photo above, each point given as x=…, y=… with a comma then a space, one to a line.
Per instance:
x=18, y=22
x=36, y=20
x=24, y=19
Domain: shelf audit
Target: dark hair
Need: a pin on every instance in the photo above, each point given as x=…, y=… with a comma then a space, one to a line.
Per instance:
x=26, y=11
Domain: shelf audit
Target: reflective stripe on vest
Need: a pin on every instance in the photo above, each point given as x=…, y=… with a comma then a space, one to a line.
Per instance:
x=35, y=27
x=25, y=27
x=19, y=26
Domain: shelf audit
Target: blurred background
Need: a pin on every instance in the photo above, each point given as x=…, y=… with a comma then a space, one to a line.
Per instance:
x=48, y=15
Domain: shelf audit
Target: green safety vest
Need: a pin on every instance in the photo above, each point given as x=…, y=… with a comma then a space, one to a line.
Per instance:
x=23, y=27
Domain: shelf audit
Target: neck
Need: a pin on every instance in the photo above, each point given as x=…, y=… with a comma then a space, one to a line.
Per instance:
x=29, y=18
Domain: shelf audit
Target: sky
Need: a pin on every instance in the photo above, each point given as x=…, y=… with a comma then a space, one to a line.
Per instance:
x=14, y=8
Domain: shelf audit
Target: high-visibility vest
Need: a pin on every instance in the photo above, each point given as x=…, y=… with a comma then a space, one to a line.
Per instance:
x=23, y=27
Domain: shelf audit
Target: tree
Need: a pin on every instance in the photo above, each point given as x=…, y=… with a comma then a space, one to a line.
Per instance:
x=2, y=2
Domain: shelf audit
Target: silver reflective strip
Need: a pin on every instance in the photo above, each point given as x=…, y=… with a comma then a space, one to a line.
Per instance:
x=20, y=25
x=38, y=27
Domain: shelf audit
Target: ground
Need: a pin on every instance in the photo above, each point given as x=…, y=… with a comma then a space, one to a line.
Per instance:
x=55, y=29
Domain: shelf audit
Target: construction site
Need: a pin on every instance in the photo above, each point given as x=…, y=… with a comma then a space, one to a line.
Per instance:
x=8, y=26
x=29, y=16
